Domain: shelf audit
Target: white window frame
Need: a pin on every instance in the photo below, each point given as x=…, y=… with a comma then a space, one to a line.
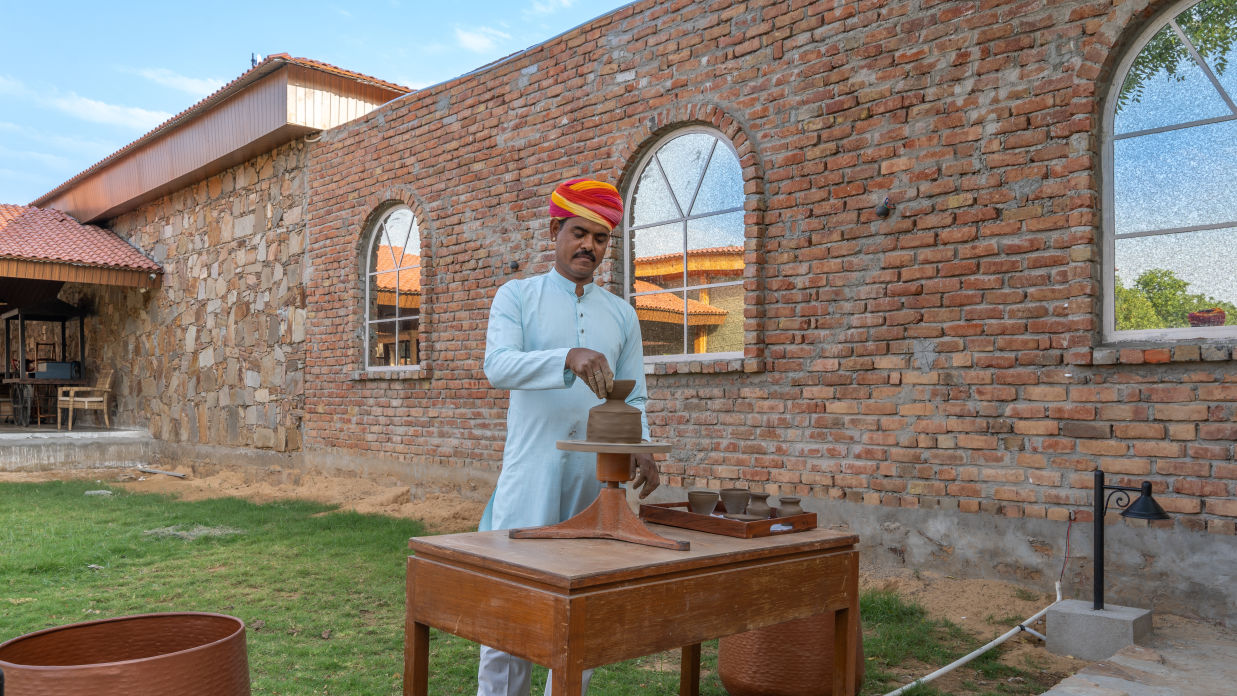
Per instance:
x=1108, y=221
x=629, y=270
x=374, y=235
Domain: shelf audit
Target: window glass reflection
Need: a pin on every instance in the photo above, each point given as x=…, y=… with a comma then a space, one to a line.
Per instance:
x=1166, y=87
x=1176, y=179
x=689, y=234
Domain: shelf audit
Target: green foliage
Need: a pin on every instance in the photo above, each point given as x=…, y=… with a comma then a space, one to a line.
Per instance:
x=1212, y=28
x=898, y=633
x=322, y=594
x=1158, y=299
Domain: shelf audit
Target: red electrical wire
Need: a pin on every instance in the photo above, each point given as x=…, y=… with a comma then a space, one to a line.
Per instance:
x=1068, y=527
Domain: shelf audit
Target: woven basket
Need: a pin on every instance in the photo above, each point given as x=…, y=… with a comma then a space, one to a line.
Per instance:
x=186, y=654
x=788, y=659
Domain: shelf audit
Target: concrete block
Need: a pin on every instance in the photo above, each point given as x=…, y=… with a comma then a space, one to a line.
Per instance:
x=1074, y=628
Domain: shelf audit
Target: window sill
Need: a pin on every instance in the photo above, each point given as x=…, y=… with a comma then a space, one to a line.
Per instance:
x=1153, y=354
x=418, y=372
x=702, y=365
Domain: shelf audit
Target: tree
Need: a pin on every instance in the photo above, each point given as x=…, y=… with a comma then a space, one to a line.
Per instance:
x=1211, y=26
x=1160, y=300
x=1134, y=311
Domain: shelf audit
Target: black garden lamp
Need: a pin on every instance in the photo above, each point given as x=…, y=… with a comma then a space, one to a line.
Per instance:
x=1144, y=508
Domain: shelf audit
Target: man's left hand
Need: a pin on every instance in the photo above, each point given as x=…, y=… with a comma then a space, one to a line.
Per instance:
x=644, y=474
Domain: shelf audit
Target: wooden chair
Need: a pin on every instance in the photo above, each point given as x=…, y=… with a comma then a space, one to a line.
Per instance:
x=87, y=398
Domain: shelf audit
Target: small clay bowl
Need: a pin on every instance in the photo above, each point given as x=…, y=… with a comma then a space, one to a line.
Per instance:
x=702, y=502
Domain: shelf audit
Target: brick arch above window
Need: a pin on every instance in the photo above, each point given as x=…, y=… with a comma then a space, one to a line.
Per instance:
x=394, y=278
x=718, y=318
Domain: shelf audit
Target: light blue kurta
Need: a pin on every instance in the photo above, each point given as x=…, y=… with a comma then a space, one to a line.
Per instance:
x=534, y=322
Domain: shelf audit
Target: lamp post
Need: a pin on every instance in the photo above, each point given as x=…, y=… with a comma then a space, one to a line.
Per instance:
x=1144, y=508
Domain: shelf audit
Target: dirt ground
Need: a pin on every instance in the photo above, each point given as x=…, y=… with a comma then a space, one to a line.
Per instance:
x=987, y=608
x=441, y=513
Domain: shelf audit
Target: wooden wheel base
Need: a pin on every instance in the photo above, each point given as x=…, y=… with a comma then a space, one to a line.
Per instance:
x=608, y=517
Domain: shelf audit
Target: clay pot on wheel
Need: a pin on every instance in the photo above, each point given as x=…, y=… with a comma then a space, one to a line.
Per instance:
x=787, y=659
x=614, y=420
x=187, y=654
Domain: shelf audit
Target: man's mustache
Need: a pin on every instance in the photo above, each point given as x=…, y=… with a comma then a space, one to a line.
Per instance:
x=586, y=254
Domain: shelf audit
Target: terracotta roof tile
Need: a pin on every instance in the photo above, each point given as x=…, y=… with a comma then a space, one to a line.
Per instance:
x=669, y=301
x=722, y=250
x=409, y=271
x=268, y=64
x=36, y=234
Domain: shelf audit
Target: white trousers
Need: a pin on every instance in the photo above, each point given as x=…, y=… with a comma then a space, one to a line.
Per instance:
x=502, y=674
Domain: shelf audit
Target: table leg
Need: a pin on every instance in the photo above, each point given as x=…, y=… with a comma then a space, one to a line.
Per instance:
x=416, y=659
x=689, y=671
x=566, y=682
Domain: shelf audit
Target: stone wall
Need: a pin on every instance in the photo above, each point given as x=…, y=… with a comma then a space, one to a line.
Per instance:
x=945, y=359
x=215, y=356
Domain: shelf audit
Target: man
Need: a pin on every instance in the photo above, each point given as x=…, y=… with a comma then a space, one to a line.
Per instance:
x=552, y=341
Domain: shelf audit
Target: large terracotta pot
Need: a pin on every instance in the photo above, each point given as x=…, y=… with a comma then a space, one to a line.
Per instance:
x=185, y=653
x=788, y=659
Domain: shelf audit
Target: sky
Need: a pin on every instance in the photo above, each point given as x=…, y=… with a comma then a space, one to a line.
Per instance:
x=80, y=80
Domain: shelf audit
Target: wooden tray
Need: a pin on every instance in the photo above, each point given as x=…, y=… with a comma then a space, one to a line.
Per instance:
x=678, y=515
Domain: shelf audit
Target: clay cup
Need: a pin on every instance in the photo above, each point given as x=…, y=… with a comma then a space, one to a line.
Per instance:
x=735, y=500
x=702, y=502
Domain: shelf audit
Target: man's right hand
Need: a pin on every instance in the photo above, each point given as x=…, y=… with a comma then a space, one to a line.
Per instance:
x=592, y=367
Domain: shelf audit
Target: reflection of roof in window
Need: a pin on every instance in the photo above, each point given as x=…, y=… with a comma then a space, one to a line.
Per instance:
x=668, y=307
x=721, y=251
x=715, y=264
x=409, y=278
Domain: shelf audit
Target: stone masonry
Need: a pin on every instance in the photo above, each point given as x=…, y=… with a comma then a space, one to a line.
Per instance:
x=216, y=355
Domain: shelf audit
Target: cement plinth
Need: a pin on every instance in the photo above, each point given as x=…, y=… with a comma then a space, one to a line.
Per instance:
x=1074, y=628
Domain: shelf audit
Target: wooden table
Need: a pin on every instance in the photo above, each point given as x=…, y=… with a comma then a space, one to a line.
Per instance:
x=573, y=604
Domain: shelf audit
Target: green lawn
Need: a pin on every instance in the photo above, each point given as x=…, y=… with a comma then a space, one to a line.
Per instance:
x=321, y=591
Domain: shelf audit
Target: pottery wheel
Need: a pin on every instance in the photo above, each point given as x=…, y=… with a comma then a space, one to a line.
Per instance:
x=609, y=516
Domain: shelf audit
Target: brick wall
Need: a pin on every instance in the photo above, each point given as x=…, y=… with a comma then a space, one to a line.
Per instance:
x=946, y=357
x=215, y=355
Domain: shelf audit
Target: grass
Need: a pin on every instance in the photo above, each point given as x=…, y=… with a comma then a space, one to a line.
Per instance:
x=900, y=640
x=322, y=594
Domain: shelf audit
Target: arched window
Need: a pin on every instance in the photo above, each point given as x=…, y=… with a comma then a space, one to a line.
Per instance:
x=393, y=292
x=684, y=239
x=1170, y=222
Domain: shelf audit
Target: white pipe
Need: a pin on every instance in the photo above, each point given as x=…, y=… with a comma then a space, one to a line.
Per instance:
x=976, y=653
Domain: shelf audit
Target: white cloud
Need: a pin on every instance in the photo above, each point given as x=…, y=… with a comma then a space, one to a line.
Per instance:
x=42, y=158
x=10, y=86
x=85, y=108
x=77, y=146
x=480, y=39
x=199, y=86
x=542, y=7
x=102, y=112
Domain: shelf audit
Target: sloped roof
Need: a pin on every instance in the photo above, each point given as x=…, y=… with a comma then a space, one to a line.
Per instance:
x=409, y=271
x=651, y=306
x=267, y=66
x=35, y=234
x=720, y=251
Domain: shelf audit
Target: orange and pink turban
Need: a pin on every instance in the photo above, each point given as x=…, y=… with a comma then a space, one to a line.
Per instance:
x=592, y=200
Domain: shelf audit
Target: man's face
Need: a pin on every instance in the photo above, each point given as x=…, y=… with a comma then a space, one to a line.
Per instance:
x=580, y=247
